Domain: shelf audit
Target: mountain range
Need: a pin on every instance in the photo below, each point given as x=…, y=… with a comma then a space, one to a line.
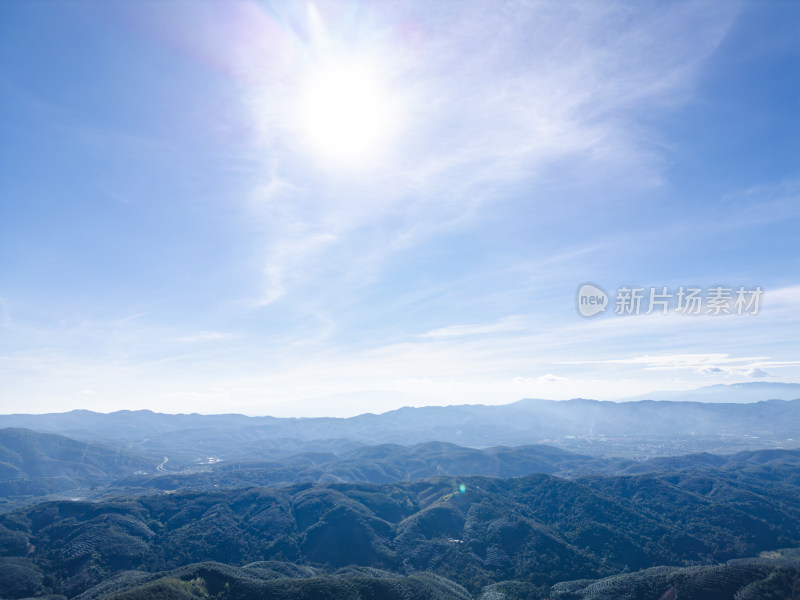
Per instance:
x=589, y=426
x=523, y=537
x=534, y=500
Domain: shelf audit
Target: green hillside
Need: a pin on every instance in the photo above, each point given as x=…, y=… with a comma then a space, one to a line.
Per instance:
x=538, y=530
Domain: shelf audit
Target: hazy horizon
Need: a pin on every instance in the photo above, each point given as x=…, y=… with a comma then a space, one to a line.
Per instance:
x=359, y=404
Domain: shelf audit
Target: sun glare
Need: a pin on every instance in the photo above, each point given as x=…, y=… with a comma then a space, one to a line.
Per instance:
x=347, y=115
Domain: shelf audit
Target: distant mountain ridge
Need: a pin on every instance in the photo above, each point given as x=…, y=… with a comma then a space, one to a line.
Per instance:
x=733, y=393
x=584, y=425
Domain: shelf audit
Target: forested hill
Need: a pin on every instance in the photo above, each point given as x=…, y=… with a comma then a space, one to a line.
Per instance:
x=37, y=465
x=772, y=576
x=476, y=532
x=27, y=454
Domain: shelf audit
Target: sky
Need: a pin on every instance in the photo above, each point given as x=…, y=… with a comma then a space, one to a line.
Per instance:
x=331, y=208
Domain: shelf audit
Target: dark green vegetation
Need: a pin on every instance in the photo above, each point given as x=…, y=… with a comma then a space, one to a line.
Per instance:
x=277, y=581
x=514, y=538
x=775, y=577
x=764, y=578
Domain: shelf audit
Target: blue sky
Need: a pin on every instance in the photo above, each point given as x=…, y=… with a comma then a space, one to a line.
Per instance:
x=339, y=207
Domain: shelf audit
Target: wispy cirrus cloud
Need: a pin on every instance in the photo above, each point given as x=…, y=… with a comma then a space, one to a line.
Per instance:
x=509, y=324
x=675, y=361
x=205, y=336
x=760, y=204
x=5, y=314
x=704, y=364
x=495, y=97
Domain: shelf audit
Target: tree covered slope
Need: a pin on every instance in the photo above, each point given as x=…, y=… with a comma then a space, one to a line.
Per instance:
x=538, y=530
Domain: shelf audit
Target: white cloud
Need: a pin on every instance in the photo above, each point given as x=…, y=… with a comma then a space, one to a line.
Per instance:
x=704, y=364
x=548, y=378
x=783, y=302
x=710, y=370
x=756, y=372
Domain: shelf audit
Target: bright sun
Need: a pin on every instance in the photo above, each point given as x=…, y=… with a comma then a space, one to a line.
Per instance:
x=347, y=115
